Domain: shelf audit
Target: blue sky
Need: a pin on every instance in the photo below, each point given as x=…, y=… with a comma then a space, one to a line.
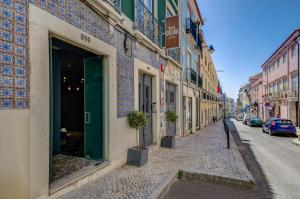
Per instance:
x=245, y=33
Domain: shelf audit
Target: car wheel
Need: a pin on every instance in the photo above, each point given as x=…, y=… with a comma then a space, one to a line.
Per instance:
x=262, y=129
x=270, y=132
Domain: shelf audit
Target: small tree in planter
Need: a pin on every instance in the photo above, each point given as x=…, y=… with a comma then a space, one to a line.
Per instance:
x=169, y=141
x=137, y=156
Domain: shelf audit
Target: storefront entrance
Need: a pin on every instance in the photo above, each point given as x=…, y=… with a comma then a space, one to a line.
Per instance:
x=145, y=105
x=171, y=106
x=77, y=113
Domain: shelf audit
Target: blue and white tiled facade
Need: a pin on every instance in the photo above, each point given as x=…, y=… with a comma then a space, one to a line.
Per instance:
x=14, y=57
x=14, y=60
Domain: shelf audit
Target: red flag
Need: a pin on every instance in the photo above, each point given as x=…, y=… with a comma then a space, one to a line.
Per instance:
x=219, y=88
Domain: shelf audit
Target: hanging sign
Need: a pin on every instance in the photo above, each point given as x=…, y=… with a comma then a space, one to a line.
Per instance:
x=172, y=32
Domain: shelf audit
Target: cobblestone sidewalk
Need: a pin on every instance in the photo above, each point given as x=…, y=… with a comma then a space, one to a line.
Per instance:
x=202, y=152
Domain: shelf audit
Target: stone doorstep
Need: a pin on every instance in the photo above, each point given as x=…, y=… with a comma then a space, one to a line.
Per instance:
x=75, y=180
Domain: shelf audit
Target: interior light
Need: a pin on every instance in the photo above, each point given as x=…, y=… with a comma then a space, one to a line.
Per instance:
x=77, y=88
x=69, y=88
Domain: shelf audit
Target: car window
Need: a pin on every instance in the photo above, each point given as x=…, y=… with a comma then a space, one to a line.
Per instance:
x=284, y=122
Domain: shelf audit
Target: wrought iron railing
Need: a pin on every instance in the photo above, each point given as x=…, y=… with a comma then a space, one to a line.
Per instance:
x=174, y=53
x=191, y=76
x=115, y=3
x=199, y=81
x=147, y=23
x=191, y=27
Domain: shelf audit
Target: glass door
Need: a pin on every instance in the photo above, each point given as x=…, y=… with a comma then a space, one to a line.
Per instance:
x=93, y=108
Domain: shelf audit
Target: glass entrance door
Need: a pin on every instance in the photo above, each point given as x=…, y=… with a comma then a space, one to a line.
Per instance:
x=93, y=108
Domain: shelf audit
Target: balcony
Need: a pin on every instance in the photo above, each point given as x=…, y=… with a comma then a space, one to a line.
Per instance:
x=199, y=81
x=116, y=4
x=191, y=76
x=191, y=27
x=293, y=95
x=147, y=24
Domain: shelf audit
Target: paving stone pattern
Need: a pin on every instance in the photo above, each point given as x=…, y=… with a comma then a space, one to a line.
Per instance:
x=202, y=152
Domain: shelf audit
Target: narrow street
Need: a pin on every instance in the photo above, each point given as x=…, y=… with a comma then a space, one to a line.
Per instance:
x=278, y=159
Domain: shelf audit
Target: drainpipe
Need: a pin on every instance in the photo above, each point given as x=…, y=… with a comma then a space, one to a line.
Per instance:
x=298, y=44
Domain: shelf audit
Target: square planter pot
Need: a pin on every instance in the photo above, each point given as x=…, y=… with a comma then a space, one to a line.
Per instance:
x=168, y=142
x=137, y=156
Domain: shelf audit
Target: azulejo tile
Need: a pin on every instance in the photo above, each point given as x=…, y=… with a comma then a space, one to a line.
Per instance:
x=20, y=82
x=20, y=8
x=20, y=29
x=20, y=72
x=21, y=19
x=6, y=24
x=20, y=40
x=6, y=47
x=6, y=70
x=6, y=103
x=20, y=61
x=7, y=3
x=6, y=58
x=20, y=103
x=6, y=92
x=6, y=81
x=20, y=51
x=5, y=36
x=20, y=93
x=6, y=13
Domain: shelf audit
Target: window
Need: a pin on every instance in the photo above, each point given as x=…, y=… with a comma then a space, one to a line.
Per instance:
x=189, y=59
x=278, y=60
x=293, y=49
x=284, y=83
x=169, y=13
x=283, y=58
x=149, y=5
x=294, y=81
x=279, y=85
x=274, y=87
x=270, y=89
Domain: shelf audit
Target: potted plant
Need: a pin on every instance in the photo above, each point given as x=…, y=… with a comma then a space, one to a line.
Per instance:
x=169, y=140
x=137, y=156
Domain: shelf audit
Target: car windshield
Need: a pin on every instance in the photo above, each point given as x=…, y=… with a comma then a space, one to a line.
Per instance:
x=285, y=122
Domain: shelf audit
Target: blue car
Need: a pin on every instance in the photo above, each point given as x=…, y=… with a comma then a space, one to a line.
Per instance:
x=279, y=126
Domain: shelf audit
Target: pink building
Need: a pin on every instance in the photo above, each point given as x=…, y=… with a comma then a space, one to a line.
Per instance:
x=256, y=93
x=280, y=80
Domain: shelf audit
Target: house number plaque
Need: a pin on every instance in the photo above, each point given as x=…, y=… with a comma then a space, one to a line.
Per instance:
x=85, y=38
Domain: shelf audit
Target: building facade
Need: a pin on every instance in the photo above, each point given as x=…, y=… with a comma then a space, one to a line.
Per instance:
x=256, y=93
x=190, y=46
x=71, y=71
x=280, y=81
x=210, y=106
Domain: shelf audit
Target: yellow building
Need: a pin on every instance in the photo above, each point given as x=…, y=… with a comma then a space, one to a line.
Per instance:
x=210, y=98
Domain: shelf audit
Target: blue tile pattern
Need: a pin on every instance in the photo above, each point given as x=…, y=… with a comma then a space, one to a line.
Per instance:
x=14, y=58
x=77, y=14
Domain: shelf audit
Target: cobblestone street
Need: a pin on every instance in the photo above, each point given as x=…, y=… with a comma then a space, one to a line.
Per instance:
x=202, y=152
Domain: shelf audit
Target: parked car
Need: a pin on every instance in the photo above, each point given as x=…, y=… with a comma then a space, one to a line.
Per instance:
x=279, y=126
x=239, y=117
x=254, y=121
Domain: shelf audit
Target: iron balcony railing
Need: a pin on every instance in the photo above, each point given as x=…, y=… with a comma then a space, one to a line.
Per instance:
x=191, y=76
x=116, y=4
x=199, y=81
x=191, y=27
x=148, y=24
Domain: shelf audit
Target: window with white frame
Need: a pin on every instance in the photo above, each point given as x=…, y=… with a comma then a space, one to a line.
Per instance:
x=294, y=81
x=189, y=59
x=284, y=57
x=284, y=82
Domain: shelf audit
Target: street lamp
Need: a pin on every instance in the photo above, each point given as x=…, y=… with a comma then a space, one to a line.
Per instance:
x=210, y=48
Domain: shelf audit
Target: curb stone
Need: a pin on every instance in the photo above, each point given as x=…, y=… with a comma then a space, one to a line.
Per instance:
x=296, y=142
